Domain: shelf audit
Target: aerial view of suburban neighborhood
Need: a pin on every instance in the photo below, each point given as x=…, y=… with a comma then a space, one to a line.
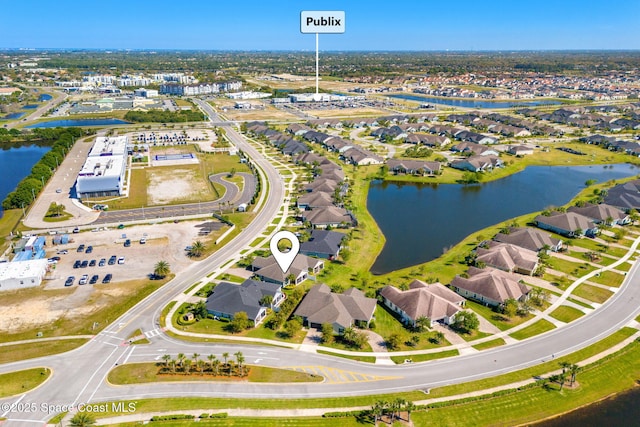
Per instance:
x=319, y=213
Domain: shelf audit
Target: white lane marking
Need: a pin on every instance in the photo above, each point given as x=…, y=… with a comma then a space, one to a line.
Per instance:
x=17, y=401
x=94, y=374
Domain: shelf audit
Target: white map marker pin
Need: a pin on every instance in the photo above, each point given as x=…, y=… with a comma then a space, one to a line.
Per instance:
x=284, y=259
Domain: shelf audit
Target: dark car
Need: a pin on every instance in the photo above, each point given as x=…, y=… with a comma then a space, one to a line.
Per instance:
x=77, y=264
x=94, y=279
x=102, y=262
x=80, y=248
x=89, y=250
x=107, y=278
x=113, y=260
x=55, y=258
x=84, y=264
x=120, y=227
x=92, y=263
x=127, y=243
x=70, y=280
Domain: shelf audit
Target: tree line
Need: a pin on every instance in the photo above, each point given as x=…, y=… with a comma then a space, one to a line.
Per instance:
x=32, y=184
x=162, y=116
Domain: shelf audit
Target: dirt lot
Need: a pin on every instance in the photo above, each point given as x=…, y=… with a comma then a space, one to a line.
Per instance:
x=168, y=185
x=42, y=306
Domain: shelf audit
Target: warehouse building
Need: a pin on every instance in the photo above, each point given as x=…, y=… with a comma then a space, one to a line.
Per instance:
x=20, y=275
x=104, y=170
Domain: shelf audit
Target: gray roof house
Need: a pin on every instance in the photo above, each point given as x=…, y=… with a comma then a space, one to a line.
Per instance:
x=328, y=216
x=435, y=302
x=602, y=213
x=567, y=224
x=477, y=163
x=228, y=299
x=342, y=311
x=490, y=287
x=529, y=238
x=268, y=270
x=414, y=167
x=508, y=257
x=323, y=244
x=624, y=196
x=315, y=199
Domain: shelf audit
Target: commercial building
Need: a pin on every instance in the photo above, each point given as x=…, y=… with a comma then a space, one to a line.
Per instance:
x=103, y=172
x=20, y=275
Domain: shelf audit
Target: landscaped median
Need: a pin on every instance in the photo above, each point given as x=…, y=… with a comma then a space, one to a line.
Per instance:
x=19, y=382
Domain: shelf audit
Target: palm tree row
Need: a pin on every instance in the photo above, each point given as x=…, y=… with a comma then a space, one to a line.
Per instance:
x=392, y=409
x=213, y=365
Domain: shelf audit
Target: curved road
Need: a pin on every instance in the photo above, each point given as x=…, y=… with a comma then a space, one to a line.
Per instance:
x=78, y=376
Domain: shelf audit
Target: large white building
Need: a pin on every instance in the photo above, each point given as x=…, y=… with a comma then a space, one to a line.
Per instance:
x=24, y=274
x=103, y=172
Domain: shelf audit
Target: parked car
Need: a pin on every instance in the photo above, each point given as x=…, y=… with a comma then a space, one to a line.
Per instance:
x=107, y=278
x=102, y=262
x=120, y=227
x=89, y=250
x=77, y=264
x=143, y=240
x=127, y=243
x=112, y=260
x=84, y=279
x=121, y=260
x=94, y=279
x=84, y=264
x=92, y=263
x=80, y=248
x=55, y=258
x=63, y=252
x=70, y=280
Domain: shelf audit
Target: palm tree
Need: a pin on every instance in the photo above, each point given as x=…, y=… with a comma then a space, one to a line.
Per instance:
x=195, y=357
x=187, y=366
x=215, y=366
x=225, y=356
x=172, y=364
x=200, y=365
x=180, y=358
x=161, y=269
x=82, y=419
x=197, y=249
x=409, y=406
x=239, y=360
x=573, y=371
x=211, y=358
x=166, y=358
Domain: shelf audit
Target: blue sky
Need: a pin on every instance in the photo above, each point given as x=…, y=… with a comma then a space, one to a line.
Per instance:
x=274, y=25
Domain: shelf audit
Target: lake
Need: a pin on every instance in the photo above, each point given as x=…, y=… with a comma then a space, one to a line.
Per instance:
x=15, y=164
x=44, y=97
x=13, y=116
x=79, y=122
x=420, y=220
x=474, y=103
x=620, y=410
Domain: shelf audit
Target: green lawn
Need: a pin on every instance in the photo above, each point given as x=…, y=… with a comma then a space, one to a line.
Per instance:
x=9, y=221
x=595, y=246
x=137, y=373
x=603, y=260
x=573, y=268
x=501, y=322
x=19, y=382
x=608, y=278
x=537, y=328
x=425, y=357
x=387, y=324
x=367, y=359
x=566, y=314
x=253, y=422
x=490, y=344
x=17, y=352
x=592, y=293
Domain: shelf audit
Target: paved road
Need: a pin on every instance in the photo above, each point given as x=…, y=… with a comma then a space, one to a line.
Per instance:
x=78, y=376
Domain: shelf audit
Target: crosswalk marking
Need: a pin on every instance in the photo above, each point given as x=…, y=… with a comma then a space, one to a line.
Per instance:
x=153, y=333
x=339, y=376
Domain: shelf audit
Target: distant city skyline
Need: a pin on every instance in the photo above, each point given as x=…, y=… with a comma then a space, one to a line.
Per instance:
x=409, y=25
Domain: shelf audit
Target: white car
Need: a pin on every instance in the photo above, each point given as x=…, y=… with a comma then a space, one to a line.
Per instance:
x=121, y=260
x=84, y=279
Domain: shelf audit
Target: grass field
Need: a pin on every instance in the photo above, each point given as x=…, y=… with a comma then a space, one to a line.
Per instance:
x=137, y=373
x=575, y=269
x=608, y=278
x=425, y=357
x=592, y=293
x=501, y=322
x=566, y=314
x=387, y=325
x=9, y=221
x=366, y=359
x=537, y=328
x=14, y=353
x=19, y=382
x=490, y=344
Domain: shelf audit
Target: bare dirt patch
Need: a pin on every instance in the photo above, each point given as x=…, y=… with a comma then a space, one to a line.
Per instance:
x=168, y=185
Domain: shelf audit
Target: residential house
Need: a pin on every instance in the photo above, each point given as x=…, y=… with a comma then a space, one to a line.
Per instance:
x=568, y=224
x=361, y=157
x=529, y=238
x=315, y=199
x=490, y=287
x=436, y=302
x=392, y=133
x=413, y=167
x=477, y=163
x=624, y=196
x=228, y=299
x=341, y=311
x=478, y=138
x=508, y=257
x=298, y=129
x=330, y=216
x=322, y=184
x=474, y=149
x=602, y=213
x=520, y=150
x=268, y=270
x=428, y=140
x=323, y=244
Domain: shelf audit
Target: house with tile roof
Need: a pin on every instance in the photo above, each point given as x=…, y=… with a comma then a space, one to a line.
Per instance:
x=228, y=299
x=508, y=257
x=341, y=311
x=568, y=224
x=268, y=270
x=602, y=213
x=529, y=238
x=435, y=302
x=490, y=287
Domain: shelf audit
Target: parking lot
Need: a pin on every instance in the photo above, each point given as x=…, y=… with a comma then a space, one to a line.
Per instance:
x=162, y=242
